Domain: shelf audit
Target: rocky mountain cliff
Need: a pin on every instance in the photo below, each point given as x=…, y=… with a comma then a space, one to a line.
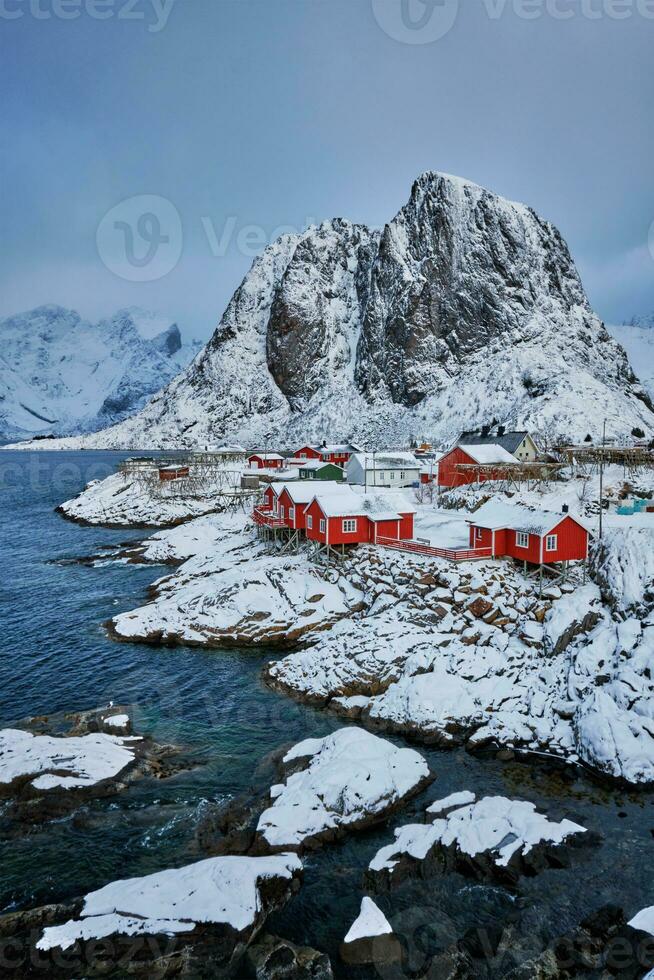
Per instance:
x=61, y=374
x=466, y=308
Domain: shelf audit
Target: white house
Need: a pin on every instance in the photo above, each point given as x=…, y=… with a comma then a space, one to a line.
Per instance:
x=383, y=469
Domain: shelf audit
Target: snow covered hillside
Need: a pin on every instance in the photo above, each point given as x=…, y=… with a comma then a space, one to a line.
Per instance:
x=465, y=308
x=61, y=374
x=637, y=338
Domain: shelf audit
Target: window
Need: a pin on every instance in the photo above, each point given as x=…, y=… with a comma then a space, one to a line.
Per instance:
x=309, y=522
x=349, y=526
x=283, y=512
x=522, y=539
x=551, y=542
x=323, y=525
x=303, y=455
x=382, y=475
x=291, y=514
x=392, y=474
x=478, y=534
x=402, y=475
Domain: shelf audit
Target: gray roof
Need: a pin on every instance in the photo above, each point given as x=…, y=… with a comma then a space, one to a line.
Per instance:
x=509, y=441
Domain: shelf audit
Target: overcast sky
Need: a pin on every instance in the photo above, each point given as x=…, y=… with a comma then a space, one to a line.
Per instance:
x=147, y=156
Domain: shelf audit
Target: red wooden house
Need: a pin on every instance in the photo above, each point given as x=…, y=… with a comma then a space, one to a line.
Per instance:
x=266, y=461
x=168, y=473
x=293, y=499
x=348, y=518
x=482, y=456
x=537, y=537
x=338, y=454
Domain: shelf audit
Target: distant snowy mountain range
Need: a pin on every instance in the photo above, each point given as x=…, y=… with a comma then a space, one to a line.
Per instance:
x=637, y=338
x=61, y=374
x=466, y=308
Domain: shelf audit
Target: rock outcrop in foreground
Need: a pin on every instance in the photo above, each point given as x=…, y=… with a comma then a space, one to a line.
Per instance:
x=466, y=307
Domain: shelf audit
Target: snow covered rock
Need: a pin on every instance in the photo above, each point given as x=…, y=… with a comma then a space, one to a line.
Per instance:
x=345, y=781
x=224, y=900
x=264, y=600
x=50, y=762
x=398, y=330
x=370, y=938
x=616, y=740
x=571, y=615
x=120, y=501
x=491, y=837
x=644, y=920
x=60, y=374
x=623, y=565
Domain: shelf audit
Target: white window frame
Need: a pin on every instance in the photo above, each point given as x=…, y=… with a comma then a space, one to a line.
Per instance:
x=323, y=525
x=282, y=512
x=303, y=455
x=478, y=533
x=309, y=522
x=551, y=538
x=521, y=539
x=350, y=525
x=291, y=514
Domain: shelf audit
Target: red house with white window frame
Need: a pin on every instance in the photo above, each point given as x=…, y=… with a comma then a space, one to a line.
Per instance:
x=293, y=498
x=338, y=454
x=450, y=476
x=343, y=519
x=266, y=461
x=537, y=537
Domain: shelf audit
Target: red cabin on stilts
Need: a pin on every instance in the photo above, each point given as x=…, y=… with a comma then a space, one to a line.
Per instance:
x=537, y=537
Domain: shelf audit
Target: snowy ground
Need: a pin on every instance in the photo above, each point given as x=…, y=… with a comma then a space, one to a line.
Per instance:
x=123, y=502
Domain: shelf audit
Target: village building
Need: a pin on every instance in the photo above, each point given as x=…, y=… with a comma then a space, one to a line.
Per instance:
x=383, y=469
x=532, y=536
x=338, y=454
x=315, y=469
x=169, y=473
x=341, y=519
x=479, y=459
x=519, y=443
x=266, y=461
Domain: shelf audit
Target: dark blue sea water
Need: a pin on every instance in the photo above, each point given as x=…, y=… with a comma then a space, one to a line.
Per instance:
x=55, y=655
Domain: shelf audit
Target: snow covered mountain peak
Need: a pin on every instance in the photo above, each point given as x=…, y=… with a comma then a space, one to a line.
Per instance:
x=60, y=373
x=466, y=308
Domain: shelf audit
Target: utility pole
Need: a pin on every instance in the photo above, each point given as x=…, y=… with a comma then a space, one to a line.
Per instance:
x=601, y=482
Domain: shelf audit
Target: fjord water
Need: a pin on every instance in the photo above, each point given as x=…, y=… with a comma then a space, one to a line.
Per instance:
x=55, y=655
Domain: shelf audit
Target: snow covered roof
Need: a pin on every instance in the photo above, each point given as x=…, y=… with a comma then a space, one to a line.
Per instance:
x=496, y=514
x=378, y=506
x=340, y=504
x=265, y=456
x=315, y=464
x=336, y=448
x=508, y=440
x=491, y=453
x=304, y=492
x=382, y=501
